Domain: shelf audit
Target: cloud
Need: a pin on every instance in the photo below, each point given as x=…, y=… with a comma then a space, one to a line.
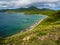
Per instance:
x=26, y=3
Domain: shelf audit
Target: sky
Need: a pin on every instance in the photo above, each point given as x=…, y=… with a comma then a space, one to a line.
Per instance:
x=12, y=4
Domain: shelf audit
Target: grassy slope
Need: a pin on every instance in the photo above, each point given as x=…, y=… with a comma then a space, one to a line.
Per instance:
x=46, y=33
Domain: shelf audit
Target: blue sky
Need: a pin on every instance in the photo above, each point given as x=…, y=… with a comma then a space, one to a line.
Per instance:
x=52, y=4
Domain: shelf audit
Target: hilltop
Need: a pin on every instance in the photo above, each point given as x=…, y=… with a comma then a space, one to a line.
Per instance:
x=30, y=10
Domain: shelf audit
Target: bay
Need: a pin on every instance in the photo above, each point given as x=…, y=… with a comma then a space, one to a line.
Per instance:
x=13, y=23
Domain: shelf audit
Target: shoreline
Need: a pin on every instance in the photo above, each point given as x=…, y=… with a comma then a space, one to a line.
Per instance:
x=28, y=28
x=36, y=24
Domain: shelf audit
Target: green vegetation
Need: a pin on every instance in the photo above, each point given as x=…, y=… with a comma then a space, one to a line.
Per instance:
x=46, y=33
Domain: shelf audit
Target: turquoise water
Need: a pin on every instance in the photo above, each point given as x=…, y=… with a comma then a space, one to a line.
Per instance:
x=12, y=23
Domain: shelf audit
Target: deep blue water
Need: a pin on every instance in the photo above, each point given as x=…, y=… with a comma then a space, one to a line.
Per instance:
x=12, y=23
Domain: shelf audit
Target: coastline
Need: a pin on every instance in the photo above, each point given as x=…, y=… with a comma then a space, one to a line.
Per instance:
x=36, y=24
x=28, y=28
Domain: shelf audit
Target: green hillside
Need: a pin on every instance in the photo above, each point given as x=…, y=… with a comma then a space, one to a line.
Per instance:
x=46, y=33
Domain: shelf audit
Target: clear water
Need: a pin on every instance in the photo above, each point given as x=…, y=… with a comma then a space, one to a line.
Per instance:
x=12, y=23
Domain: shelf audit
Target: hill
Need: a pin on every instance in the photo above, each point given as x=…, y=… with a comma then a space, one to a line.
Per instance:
x=30, y=10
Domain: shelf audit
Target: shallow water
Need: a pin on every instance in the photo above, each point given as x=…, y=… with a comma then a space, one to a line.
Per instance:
x=12, y=23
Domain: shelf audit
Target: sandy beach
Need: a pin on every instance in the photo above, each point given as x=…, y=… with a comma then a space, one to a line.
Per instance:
x=37, y=23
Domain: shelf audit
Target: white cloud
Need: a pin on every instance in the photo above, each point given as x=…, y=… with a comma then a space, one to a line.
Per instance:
x=22, y=3
x=48, y=0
